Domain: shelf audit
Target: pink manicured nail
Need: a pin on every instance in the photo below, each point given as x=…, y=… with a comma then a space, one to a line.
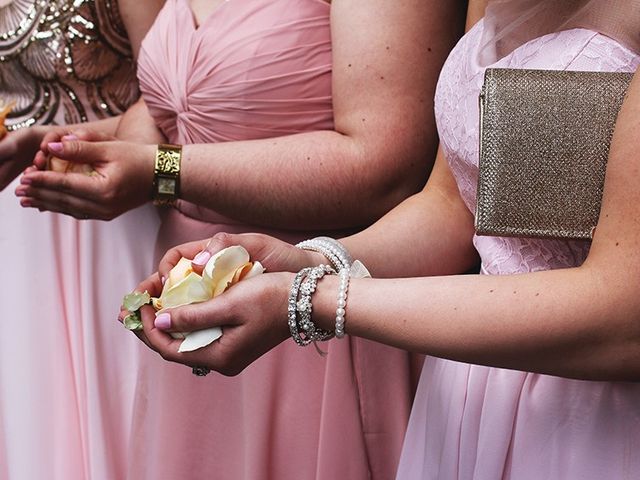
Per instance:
x=55, y=147
x=163, y=280
x=163, y=321
x=71, y=136
x=202, y=258
x=26, y=203
x=25, y=181
x=21, y=193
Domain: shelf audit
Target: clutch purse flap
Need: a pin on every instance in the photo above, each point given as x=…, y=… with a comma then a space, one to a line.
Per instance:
x=544, y=144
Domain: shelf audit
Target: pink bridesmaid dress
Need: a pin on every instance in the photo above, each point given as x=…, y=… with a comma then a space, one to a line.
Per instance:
x=257, y=69
x=67, y=372
x=472, y=422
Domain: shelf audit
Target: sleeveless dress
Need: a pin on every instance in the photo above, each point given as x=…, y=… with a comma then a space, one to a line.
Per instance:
x=257, y=69
x=67, y=373
x=481, y=423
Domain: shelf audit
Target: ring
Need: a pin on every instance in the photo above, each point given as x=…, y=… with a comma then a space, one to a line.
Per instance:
x=200, y=371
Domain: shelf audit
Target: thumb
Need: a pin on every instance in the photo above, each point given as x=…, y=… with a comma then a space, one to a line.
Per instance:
x=197, y=316
x=77, y=151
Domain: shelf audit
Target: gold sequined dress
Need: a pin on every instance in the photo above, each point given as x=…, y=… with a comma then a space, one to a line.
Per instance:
x=67, y=369
x=64, y=61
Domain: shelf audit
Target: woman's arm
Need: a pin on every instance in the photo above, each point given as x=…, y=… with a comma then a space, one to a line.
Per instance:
x=386, y=60
x=580, y=322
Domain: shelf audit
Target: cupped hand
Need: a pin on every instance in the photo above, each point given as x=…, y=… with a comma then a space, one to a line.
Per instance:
x=122, y=180
x=17, y=150
x=252, y=314
x=62, y=133
x=274, y=255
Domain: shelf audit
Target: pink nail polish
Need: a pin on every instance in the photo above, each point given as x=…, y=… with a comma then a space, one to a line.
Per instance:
x=201, y=259
x=26, y=181
x=21, y=193
x=55, y=147
x=163, y=321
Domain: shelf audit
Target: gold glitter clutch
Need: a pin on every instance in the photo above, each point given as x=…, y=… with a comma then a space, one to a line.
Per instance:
x=544, y=144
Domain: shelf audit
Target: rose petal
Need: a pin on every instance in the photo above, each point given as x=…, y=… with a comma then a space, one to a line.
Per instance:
x=178, y=273
x=189, y=290
x=220, y=268
x=199, y=338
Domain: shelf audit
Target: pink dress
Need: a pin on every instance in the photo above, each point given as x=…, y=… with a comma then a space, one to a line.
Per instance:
x=257, y=69
x=67, y=372
x=474, y=422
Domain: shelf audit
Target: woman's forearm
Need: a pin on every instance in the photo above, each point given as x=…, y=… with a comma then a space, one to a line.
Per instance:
x=536, y=322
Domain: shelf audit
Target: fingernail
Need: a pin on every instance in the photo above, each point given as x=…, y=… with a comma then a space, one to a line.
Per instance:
x=71, y=136
x=55, y=147
x=26, y=203
x=202, y=258
x=25, y=181
x=163, y=321
x=21, y=193
x=120, y=319
x=163, y=280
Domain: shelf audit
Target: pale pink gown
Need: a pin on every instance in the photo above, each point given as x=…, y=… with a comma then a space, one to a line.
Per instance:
x=67, y=368
x=473, y=422
x=257, y=69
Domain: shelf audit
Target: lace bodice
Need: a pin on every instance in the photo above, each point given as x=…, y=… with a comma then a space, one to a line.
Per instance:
x=457, y=116
x=64, y=61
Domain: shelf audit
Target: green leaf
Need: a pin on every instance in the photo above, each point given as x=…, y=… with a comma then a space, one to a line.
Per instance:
x=134, y=301
x=133, y=321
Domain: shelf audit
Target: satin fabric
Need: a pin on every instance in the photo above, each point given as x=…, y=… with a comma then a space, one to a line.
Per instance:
x=257, y=69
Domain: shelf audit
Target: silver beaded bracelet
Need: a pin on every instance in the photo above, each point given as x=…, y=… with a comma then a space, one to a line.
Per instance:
x=303, y=330
x=332, y=249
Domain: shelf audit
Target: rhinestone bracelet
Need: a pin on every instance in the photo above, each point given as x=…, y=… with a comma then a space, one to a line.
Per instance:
x=303, y=330
x=332, y=249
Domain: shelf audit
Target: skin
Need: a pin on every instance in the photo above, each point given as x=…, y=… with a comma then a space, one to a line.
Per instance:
x=380, y=151
x=577, y=322
x=17, y=149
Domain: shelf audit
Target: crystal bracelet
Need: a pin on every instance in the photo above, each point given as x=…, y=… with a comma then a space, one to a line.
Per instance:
x=303, y=330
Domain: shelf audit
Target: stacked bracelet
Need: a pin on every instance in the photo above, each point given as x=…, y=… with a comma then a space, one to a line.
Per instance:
x=303, y=330
x=332, y=249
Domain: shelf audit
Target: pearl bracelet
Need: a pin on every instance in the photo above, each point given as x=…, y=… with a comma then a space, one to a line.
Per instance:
x=342, y=302
x=332, y=249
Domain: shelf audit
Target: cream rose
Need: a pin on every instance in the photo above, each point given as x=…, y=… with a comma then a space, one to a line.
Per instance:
x=184, y=287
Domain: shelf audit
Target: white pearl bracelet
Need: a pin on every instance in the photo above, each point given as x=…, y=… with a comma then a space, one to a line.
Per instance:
x=332, y=249
x=342, y=302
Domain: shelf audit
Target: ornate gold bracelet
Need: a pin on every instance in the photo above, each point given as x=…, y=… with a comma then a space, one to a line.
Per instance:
x=166, y=179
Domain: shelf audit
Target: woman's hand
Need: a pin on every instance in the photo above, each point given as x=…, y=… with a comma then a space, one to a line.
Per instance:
x=122, y=180
x=69, y=134
x=17, y=150
x=274, y=255
x=252, y=314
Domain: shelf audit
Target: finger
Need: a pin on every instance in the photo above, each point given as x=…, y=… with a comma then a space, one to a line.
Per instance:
x=150, y=284
x=77, y=151
x=173, y=256
x=198, y=316
x=216, y=243
x=76, y=184
x=159, y=340
x=58, y=202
